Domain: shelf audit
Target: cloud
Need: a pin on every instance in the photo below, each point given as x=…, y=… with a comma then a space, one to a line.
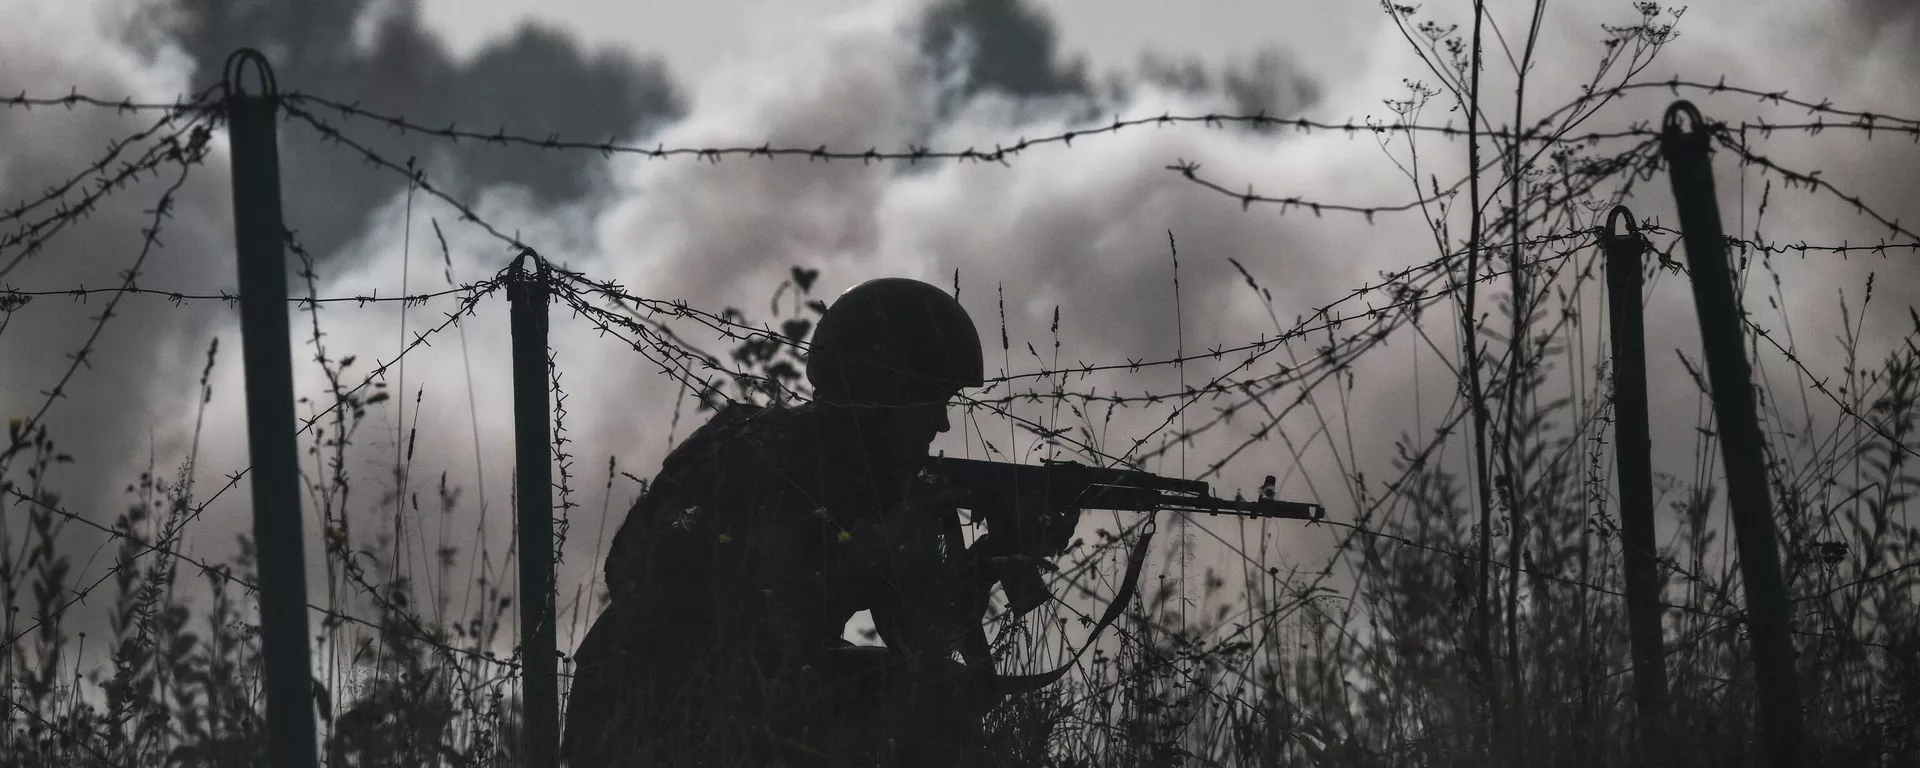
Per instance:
x=125, y=403
x=136, y=397
x=1004, y=46
x=379, y=55
x=1082, y=228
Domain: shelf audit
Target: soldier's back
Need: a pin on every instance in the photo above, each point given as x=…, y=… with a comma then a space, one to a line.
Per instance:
x=717, y=601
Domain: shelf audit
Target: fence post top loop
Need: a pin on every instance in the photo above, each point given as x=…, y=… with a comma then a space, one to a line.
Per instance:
x=1628, y=244
x=230, y=74
x=1620, y=212
x=1670, y=124
x=519, y=264
x=521, y=275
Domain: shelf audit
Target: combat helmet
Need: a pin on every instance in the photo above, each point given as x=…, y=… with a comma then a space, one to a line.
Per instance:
x=892, y=341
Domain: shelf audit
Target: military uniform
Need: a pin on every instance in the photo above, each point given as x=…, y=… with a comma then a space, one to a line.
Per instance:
x=731, y=581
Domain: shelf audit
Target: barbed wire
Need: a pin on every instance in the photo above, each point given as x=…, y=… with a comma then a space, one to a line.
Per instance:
x=1190, y=171
x=114, y=148
x=415, y=175
x=1343, y=547
x=473, y=292
x=1411, y=464
x=233, y=479
x=468, y=300
x=1510, y=220
x=201, y=101
x=418, y=177
x=1820, y=385
x=673, y=356
x=1856, y=119
x=1738, y=615
x=218, y=571
x=1812, y=180
x=1323, y=318
x=31, y=236
x=1748, y=156
x=726, y=325
x=1824, y=106
x=1748, y=321
x=1032, y=396
x=1732, y=619
x=1862, y=121
x=1408, y=294
x=186, y=155
x=1355, y=531
x=1642, y=153
x=1802, y=247
x=913, y=153
x=11, y=297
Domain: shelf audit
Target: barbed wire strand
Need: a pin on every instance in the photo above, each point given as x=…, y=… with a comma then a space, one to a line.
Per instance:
x=187, y=156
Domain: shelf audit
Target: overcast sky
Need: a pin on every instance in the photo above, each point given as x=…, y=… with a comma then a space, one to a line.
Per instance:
x=1081, y=229
x=697, y=37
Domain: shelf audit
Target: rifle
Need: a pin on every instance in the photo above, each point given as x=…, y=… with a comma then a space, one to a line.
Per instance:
x=1020, y=535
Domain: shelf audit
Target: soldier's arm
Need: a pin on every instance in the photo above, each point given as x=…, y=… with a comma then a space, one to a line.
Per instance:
x=930, y=601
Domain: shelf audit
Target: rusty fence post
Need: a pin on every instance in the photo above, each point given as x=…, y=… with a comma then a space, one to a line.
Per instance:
x=260, y=241
x=1633, y=449
x=1769, y=622
x=533, y=457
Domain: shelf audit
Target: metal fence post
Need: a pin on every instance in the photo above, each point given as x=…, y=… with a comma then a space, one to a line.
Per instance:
x=1633, y=447
x=533, y=441
x=1769, y=623
x=260, y=240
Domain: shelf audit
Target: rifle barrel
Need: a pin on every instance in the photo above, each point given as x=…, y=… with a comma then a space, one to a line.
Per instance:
x=1116, y=489
x=1258, y=509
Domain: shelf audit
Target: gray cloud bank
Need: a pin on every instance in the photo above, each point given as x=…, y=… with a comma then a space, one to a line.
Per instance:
x=136, y=400
x=379, y=54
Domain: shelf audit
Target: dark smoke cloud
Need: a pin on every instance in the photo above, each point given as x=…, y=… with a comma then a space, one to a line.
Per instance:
x=1879, y=14
x=1011, y=48
x=1267, y=82
x=136, y=397
x=1882, y=171
x=379, y=53
x=126, y=403
x=1005, y=46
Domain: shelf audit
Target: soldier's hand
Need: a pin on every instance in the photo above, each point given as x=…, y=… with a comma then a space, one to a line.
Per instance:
x=1045, y=529
x=908, y=527
x=925, y=500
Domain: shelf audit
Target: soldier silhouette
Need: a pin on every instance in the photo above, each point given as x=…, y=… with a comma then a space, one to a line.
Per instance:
x=732, y=578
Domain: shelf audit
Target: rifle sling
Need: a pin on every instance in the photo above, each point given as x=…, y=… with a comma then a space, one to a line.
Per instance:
x=1000, y=686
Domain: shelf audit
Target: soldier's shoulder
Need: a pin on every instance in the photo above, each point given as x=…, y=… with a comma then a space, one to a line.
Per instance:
x=742, y=432
x=702, y=468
